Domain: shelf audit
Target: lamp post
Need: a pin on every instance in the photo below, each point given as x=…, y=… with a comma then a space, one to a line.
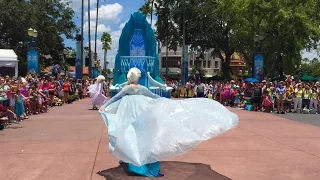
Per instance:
x=184, y=65
x=32, y=54
x=164, y=15
x=257, y=60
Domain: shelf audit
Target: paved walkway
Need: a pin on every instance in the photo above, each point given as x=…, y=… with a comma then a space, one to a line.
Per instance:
x=313, y=119
x=70, y=143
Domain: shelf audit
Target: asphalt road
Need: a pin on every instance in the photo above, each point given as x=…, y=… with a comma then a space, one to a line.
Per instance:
x=313, y=119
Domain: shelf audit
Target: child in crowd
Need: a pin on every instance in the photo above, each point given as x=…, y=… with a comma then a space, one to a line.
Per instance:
x=267, y=102
x=18, y=106
x=237, y=95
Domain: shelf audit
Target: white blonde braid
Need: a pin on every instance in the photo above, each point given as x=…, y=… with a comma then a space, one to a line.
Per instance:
x=133, y=75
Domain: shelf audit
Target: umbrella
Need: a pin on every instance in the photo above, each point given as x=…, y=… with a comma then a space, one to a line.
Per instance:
x=251, y=80
x=307, y=78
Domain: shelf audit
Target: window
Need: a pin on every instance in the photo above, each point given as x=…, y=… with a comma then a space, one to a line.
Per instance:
x=191, y=62
x=209, y=64
x=173, y=62
x=216, y=64
x=204, y=65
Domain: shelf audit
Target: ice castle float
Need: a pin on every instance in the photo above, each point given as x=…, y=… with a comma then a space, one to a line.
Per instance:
x=138, y=48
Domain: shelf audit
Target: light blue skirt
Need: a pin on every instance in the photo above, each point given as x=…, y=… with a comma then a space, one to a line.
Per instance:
x=143, y=131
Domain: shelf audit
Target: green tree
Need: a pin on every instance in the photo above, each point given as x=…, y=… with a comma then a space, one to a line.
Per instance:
x=194, y=70
x=288, y=27
x=229, y=26
x=147, y=7
x=106, y=45
x=51, y=19
x=208, y=24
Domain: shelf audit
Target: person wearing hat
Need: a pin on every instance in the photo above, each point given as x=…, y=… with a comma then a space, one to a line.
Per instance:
x=317, y=84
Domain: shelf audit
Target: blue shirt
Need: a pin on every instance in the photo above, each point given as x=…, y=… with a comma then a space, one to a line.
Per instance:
x=281, y=91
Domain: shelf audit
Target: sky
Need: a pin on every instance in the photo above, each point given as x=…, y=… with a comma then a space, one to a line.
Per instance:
x=113, y=14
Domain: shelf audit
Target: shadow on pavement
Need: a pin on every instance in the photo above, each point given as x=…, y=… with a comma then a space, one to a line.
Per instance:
x=171, y=170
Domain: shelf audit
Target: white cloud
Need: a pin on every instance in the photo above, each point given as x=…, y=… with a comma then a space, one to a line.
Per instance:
x=107, y=13
x=101, y=27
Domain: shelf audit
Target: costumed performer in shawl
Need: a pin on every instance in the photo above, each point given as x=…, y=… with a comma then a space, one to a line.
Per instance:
x=145, y=129
x=96, y=92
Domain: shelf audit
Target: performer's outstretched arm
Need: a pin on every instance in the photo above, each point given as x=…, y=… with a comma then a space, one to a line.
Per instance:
x=115, y=98
x=147, y=92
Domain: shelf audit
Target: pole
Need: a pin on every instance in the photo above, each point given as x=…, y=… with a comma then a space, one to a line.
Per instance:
x=105, y=60
x=167, y=48
x=183, y=45
x=81, y=46
x=151, y=12
x=89, y=40
x=96, y=33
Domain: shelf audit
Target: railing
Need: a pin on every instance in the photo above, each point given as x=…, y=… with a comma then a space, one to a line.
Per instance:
x=161, y=89
x=144, y=63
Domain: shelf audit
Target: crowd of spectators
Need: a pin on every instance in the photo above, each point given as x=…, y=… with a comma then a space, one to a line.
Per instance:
x=31, y=95
x=281, y=97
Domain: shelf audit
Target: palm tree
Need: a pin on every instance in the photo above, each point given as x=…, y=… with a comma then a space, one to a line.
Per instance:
x=147, y=8
x=106, y=45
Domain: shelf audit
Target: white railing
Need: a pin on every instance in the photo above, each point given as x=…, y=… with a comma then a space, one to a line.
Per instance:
x=158, y=88
x=144, y=63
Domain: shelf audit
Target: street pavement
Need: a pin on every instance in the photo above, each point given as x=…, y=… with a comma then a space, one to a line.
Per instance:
x=71, y=143
x=313, y=119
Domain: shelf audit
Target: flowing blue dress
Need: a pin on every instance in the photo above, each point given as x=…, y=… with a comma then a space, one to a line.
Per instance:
x=18, y=106
x=144, y=128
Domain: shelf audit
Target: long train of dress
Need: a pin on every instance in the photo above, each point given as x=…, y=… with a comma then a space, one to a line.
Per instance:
x=144, y=129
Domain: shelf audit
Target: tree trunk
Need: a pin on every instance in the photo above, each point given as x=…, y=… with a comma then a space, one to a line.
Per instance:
x=105, y=60
x=281, y=66
x=226, y=65
x=151, y=12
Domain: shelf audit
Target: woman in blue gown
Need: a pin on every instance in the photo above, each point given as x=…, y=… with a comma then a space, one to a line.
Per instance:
x=145, y=129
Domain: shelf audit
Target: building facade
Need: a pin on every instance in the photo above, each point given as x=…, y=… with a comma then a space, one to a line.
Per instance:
x=172, y=64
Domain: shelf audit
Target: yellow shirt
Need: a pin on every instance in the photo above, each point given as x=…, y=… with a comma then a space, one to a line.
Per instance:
x=314, y=95
x=299, y=93
x=307, y=94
